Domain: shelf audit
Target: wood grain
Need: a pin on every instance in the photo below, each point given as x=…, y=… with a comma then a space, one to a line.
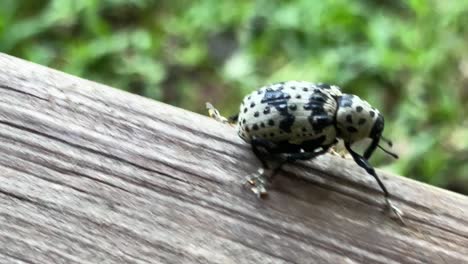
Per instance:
x=91, y=174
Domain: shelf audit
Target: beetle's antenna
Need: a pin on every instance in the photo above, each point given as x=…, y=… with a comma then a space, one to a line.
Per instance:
x=395, y=156
x=388, y=141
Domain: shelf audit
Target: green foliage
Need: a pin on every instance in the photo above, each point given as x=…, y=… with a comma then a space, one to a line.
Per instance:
x=408, y=58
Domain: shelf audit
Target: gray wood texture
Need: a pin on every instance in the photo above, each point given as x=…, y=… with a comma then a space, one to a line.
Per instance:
x=92, y=174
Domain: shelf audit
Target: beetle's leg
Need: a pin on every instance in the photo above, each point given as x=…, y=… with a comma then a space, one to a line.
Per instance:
x=259, y=181
x=233, y=119
x=263, y=149
x=292, y=157
x=363, y=163
x=214, y=113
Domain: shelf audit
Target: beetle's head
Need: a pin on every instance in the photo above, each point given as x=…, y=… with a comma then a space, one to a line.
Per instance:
x=356, y=119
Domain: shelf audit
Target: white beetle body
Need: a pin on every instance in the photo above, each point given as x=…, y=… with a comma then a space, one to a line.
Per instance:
x=298, y=111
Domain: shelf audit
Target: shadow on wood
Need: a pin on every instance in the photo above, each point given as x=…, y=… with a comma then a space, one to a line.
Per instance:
x=91, y=174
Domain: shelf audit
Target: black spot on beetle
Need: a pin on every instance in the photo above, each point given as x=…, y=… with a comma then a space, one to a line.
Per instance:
x=287, y=96
x=245, y=110
x=266, y=110
x=293, y=107
x=259, y=91
x=305, y=89
x=256, y=114
x=322, y=120
x=278, y=100
x=247, y=129
x=252, y=105
x=316, y=103
x=271, y=122
x=282, y=107
x=319, y=122
x=249, y=97
x=293, y=87
x=318, y=117
x=271, y=96
x=298, y=96
x=351, y=129
x=349, y=119
x=345, y=101
x=255, y=127
x=359, y=109
x=361, y=121
x=318, y=98
x=315, y=108
x=269, y=89
x=372, y=113
x=323, y=85
x=286, y=123
x=262, y=125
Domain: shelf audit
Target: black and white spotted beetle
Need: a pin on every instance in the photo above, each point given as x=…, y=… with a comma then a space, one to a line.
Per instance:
x=297, y=120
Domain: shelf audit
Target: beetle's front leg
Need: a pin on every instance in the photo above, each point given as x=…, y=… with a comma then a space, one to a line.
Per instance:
x=362, y=162
x=259, y=181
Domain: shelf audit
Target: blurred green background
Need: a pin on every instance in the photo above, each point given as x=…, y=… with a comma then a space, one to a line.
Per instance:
x=407, y=58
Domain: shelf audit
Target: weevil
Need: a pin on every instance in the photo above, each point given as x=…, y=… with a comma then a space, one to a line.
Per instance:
x=298, y=120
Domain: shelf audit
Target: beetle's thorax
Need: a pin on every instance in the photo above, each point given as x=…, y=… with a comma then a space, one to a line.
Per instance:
x=356, y=119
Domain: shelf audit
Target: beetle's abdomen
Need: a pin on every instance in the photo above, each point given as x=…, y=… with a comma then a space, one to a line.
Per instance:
x=292, y=111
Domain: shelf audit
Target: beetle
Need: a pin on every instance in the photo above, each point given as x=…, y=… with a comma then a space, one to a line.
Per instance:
x=299, y=120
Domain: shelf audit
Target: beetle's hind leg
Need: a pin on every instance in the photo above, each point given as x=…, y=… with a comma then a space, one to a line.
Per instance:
x=214, y=113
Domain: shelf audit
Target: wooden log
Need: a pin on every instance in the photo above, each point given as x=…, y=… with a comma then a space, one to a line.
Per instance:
x=91, y=174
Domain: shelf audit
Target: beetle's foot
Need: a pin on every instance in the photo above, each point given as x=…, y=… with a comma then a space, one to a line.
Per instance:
x=214, y=113
x=258, y=181
x=397, y=212
x=334, y=152
x=342, y=153
x=340, y=150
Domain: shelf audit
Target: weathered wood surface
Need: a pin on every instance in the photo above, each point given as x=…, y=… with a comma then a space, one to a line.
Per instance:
x=91, y=174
